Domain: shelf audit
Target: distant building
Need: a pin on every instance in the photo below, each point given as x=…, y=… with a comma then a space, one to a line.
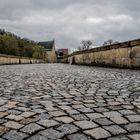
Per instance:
x=49, y=47
x=61, y=53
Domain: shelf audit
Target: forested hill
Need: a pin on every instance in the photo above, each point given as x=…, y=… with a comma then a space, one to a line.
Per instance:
x=11, y=44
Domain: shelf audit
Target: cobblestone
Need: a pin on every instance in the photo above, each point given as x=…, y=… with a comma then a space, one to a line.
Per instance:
x=48, y=123
x=14, y=135
x=134, y=136
x=115, y=129
x=37, y=137
x=52, y=134
x=31, y=128
x=64, y=119
x=13, y=124
x=79, y=117
x=85, y=124
x=134, y=118
x=57, y=113
x=68, y=128
x=119, y=138
x=119, y=120
x=103, y=121
x=2, y=114
x=112, y=114
x=133, y=127
x=93, y=116
x=27, y=114
x=98, y=133
x=59, y=102
x=3, y=130
x=78, y=137
x=14, y=117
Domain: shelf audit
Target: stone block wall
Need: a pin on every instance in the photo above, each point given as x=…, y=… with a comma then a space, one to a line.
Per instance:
x=136, y=56
x=123, y=55
x=7, y=59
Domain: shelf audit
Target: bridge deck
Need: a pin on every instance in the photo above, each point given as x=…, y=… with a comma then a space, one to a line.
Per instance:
x=57, y=101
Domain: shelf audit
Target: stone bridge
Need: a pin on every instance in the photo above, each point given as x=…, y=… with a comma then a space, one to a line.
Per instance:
x=60, y=102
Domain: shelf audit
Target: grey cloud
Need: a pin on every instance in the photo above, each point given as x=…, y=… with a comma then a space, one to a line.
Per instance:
x=70, y=21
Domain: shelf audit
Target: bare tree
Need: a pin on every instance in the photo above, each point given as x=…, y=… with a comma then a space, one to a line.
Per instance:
x=85, y=45
x=110, y=42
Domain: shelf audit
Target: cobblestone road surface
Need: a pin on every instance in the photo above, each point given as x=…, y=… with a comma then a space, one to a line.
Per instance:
x=60, y=102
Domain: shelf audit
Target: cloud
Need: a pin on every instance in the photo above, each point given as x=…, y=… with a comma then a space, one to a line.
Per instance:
x=70, y=21
x=94, y=20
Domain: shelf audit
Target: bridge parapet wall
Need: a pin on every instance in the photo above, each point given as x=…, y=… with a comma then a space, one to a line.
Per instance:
x=123, y=55
x=8, y=59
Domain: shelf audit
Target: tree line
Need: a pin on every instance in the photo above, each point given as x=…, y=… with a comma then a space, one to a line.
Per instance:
x=12, y=44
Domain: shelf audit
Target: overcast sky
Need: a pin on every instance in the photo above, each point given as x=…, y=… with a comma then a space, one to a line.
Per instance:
x=70, y=21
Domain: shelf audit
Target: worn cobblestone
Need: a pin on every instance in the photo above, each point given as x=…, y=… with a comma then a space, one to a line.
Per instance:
x=134, y=118
x=48, y=123
x=134, y=136
x=52, y=134
x=68, y=128
x=85, y=124
x=37, y=137
x=14, y=135
x=31, y=128
x=98, y=133
x=103, y=121
x=115, y=129
x=64, y=119
x=120, y=137
x=13, y=124
x=78, y=137
x=58, y=101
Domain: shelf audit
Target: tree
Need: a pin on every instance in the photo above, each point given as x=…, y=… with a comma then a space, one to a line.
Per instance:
x=11, y=44
x=110, y=42
x=2, y=31
x=85, y=45
x=28, y=51
x=2, y=47
x=38, y=52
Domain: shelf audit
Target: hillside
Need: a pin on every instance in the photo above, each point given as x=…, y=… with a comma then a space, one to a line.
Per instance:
x=12, y=44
